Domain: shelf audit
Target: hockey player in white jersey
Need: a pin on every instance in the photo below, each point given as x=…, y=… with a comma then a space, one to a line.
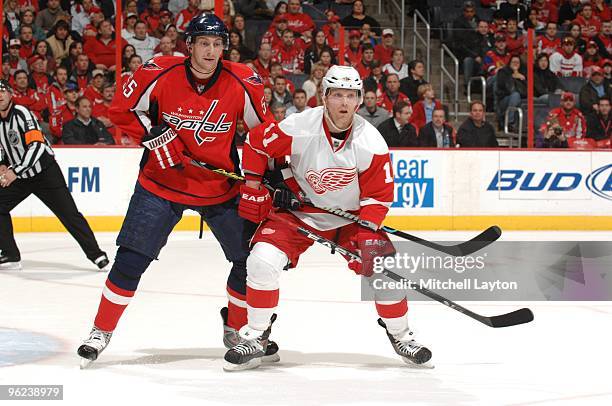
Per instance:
x=338, y=160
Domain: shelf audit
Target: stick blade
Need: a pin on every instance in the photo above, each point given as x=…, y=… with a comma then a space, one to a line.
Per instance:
x=483, y=239
x=520, y=316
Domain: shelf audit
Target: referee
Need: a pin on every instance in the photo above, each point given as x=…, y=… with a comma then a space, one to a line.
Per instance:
x=27, y=165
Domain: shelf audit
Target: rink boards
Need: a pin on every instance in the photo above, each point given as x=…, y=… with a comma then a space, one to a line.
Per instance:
x=434, y=190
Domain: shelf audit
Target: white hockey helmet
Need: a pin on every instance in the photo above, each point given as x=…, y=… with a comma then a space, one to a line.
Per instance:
x=343, y=77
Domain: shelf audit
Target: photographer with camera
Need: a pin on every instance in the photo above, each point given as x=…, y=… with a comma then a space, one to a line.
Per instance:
x=563, y=123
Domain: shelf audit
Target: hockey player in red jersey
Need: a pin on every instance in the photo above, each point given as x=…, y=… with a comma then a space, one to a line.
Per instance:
x=337, y=160
x=181, y=109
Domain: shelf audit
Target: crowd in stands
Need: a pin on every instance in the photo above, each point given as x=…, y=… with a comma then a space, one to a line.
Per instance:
x=573, y=44
x=60, y=58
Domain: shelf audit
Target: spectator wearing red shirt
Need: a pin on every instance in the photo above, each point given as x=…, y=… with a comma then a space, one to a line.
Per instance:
x=496, y=58
x=392, y=93
x=152, y=15
x=26, y=37
x=94, y=91
x=165, y=20
x=39, y=75
x=102, y=48
x=568, y=117
x=422, y=111
x=354, y=53
x=515, y=41
x=591, y=59
x=548, y=43
x=601, y=10
x=547, y=12
x=263, y=61
x=275, y=33
x=332, y=32
x=15, y=61
x=589, y=24
x=384, y=52
x=26, y=96
x=54, y=98
x=288, y=55
x=367, y=57
x=100, y=111
x=296, y=20
x=65, y=112
x=81, y=73
x=183, y=18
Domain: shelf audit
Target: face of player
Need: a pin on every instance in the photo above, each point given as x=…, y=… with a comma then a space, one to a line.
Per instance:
x=477, y=113
x=438, y=118
x=5, y=99
x=205, y=54
x=393, y=84
x=341, y=106
x=299, y=100
x=604, y=107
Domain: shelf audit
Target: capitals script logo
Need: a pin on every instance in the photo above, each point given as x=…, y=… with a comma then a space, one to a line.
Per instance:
x=330, y=179
x=201, y=127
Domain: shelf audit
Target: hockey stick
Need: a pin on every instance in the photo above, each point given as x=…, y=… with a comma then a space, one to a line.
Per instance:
x=477, y=243
x=514, y=318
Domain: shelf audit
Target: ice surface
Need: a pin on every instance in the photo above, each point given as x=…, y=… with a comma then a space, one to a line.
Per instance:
x=167, y=347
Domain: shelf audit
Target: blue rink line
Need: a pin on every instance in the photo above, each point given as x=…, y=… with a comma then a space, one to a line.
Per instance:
x=23, y=347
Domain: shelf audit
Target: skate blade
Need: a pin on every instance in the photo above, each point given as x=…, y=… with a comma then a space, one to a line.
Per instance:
x=413, y=365
x=252, y=364
x=270, y=358
x=11, y=266
x=85, y=363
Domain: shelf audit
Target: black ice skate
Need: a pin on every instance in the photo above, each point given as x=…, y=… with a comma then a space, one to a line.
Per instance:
x=231, y=338
x=250, y=352
x=8, y=263
x=406, y=347
x=93, y=346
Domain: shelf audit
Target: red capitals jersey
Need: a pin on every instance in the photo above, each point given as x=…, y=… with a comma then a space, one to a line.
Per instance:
x=58, y=118
x=290, y=58
x=573, y=123
x=272, y=37
x=592, y=25
x=204, y=116
x=547, y=45
x=32, y=100
x=299, y=22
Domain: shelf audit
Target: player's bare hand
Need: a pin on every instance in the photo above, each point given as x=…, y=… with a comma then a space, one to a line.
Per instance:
x=7, y=178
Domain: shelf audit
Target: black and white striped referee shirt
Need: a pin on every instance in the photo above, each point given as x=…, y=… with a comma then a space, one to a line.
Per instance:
x=23, y=146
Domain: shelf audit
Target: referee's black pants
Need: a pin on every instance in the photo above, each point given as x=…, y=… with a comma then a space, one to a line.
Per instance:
x=50, y=187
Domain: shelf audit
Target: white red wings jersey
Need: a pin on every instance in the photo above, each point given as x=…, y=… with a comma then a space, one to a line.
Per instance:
x=565, y=66
x=204, y=115
x=355, y=175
